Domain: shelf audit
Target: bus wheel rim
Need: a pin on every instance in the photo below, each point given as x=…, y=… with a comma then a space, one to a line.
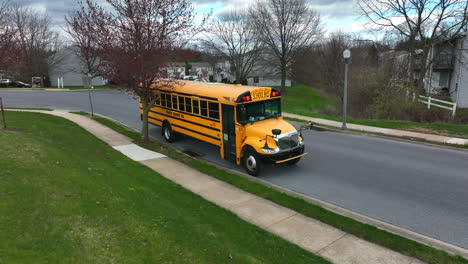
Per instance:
x=251, y=163
x=167, y=133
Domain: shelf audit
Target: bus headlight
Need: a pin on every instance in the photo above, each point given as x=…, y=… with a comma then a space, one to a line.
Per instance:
x=270, y=150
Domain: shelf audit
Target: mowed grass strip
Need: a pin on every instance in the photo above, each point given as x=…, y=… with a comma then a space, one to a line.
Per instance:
x=67, y=197
x=302, y=99
x=368, y=232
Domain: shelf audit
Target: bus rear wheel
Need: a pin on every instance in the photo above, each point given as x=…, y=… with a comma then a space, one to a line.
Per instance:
x=252, y=163
x=167, y=132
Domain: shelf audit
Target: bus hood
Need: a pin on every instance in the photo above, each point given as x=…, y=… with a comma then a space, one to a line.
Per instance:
x=262, y=128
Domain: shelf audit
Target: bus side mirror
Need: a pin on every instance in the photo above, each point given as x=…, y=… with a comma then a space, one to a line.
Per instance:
x=310, y=126
x=276, y=131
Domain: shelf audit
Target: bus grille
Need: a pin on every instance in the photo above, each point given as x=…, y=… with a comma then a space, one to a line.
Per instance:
x=288, y=142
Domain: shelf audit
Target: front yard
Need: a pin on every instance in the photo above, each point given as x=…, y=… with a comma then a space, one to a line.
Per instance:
x=67, y=197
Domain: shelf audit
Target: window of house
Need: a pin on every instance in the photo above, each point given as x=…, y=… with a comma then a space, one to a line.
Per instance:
x=214, y=110
x=196, y=106
x=174, y=102
x=203, y=108
x=444, y=79
x=181, y=103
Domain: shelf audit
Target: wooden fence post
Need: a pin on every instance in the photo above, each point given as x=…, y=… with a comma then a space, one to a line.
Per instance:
x=3, y=113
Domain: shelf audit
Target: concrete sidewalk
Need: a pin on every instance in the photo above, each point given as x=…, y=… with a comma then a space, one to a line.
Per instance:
x=385, y=131
x=310, y=234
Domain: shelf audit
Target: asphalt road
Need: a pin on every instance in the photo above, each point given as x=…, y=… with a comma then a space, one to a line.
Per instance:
x=419, y=187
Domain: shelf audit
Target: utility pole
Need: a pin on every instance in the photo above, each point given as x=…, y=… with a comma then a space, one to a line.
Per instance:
x=89, y=93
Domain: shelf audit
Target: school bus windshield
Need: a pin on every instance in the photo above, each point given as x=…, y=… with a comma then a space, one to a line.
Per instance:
x=259, y=111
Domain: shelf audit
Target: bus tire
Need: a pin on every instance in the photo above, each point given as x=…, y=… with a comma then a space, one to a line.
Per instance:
x=168, y=133
x=252, y=163
x=293, y=162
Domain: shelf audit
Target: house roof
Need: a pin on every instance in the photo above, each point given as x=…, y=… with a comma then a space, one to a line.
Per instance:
x=199, y=64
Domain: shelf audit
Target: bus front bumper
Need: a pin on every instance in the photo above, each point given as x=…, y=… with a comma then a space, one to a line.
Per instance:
x=285, y=156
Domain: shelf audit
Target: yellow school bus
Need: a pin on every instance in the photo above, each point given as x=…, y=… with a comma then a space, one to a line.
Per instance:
x=245, y=122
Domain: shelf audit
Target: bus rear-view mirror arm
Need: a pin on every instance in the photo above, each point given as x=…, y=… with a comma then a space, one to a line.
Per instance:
x=309, y=126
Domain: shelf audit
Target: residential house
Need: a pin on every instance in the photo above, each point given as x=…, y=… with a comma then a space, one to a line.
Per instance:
x=262, y=74
x=203, y=70
x=265, y=75
x=448, y=73
x=70, y=69
x=223, y=72
x=175, y=70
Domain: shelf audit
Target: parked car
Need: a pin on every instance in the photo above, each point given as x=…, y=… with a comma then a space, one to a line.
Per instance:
x=6, y=81
x=22, y=84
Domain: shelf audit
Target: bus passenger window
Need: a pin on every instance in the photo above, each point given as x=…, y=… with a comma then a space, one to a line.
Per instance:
x=181, y=103
x=203, y=106
x=196, y=107
x=214, y=110
x=174, y=102
x=168, y=101
x=163, y=100
x=158, y=100
x=188, y=104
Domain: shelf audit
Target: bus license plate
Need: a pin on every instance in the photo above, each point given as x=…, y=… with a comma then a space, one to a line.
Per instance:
x=260, y=95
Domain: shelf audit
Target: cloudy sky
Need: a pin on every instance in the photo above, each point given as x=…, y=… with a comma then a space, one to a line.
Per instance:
x=337, y=14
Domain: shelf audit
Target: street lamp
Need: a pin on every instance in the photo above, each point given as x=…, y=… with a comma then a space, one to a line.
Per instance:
x=346, y=56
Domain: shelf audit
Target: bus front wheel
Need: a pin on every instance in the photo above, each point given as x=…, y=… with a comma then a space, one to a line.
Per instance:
x=167, y=132
x=252, y=163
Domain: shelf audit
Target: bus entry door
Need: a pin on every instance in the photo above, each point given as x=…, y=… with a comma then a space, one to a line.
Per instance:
x=229, y=133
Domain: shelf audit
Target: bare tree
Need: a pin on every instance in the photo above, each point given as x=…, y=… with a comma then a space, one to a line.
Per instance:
x=235, y=39
x=136, y=39
x=424, y=22
x=10, y=55
x=80, y=29
x=38, y=42
x=285, y=26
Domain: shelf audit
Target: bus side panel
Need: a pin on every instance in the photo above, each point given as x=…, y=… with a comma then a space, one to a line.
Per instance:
x=200, y=128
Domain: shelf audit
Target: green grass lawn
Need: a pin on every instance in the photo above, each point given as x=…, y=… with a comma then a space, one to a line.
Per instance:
x=302, y=99
x=67, y=197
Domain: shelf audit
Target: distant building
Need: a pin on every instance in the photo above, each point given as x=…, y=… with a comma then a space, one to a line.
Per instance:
x=70, y=68
x=261, y=74
x=448, y=74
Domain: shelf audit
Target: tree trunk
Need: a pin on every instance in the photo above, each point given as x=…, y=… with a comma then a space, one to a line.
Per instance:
x=423, y=71
x=144, y=129
x=283, y=80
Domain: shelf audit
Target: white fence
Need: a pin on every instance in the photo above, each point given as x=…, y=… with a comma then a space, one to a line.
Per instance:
x=429, y=101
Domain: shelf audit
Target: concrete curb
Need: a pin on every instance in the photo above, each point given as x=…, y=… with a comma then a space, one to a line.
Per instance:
x=385, y=131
